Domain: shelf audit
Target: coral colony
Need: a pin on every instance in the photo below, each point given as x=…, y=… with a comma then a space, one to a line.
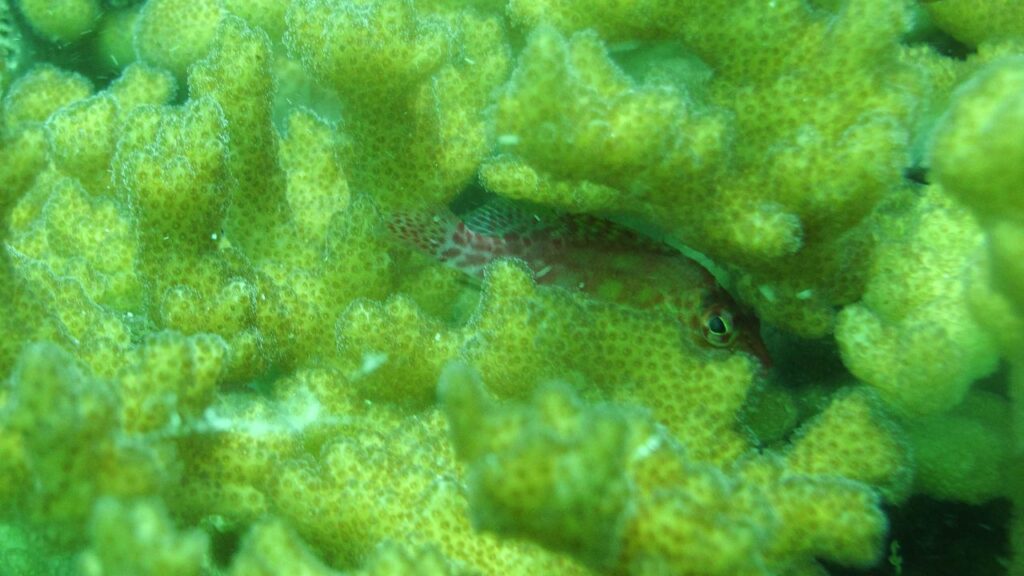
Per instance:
x=300, y=286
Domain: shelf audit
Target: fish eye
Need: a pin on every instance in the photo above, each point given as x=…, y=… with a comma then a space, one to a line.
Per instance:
x=718, y=328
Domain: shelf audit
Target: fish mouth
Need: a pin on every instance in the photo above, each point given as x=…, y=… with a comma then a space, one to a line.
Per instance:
x=750, y=341
x=756, y=347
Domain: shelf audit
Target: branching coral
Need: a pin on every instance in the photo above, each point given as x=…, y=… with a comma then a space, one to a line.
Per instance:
x=212, y=350
x=976, y=154
x=65, y=423
x=768, y=150
x=912, y=336
x=345, y=474
x=522, y=334
x=963, y=455
x=173, y=34
x=139, y=538
x=977, y=22
x=387, y=60
x=10, y=45
x=61, y=21
x=609, y=487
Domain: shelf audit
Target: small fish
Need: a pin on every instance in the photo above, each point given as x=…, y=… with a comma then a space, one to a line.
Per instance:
x=586, y=253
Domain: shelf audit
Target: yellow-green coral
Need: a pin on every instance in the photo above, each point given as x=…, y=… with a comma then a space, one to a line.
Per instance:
x=269, y=15
x=387, y=60
x=243, y=93
x=316, y=183
x=203, y=316
x=114, y=37
x=272, y=548
x=976, y=22
x=367, y=47
x=964, y=455
x=173, y=34
x=63, y=20
x=976, y=155
x=973, y=159
x=608, y=486
x=854, y=438
x=913, y=336
x=66, y=423
x=170, y=379
x=139, y=538
x=39, y=93
x=82, y=136
x=10, y=45
x=346, y=475
x=582, y=119
x=50, y=219
x=521, y=335
x=765, y=156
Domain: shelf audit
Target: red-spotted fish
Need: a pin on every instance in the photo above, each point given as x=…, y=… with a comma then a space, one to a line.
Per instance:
x=580, y=252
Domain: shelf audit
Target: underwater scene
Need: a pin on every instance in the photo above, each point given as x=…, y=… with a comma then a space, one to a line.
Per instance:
x=512, y=287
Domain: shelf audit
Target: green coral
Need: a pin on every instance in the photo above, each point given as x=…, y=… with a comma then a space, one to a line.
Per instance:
x=172, y=34
x=912, y=335
x=977, y=22
x=216, y=359
x=139, y=538
x=61, y=21
x=388, y=60
x=963, y=455
x=522, y=334
x=270, y=548
x=772, y=140
x=974, y=162
x=258, y=208
x=11, y=45
x=609, y=487
x=113, y=41
x=66, y=423
x=975, y=154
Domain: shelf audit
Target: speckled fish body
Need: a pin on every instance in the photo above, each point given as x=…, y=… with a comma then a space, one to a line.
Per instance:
x=580, y=252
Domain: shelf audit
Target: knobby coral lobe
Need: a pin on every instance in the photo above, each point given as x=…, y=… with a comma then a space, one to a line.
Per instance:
x=215, y=358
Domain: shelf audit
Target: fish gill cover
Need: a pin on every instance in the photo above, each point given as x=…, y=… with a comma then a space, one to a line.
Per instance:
x=259, y=313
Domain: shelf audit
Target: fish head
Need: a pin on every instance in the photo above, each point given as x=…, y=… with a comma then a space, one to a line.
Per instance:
x=721, y=323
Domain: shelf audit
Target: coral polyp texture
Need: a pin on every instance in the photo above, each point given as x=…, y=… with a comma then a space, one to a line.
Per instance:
x=610, y=487
x=217, y=356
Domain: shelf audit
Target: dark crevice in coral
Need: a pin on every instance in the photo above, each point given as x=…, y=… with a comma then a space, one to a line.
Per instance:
x=78, y=56
x=804, y=375
x=931, y=537
x=801, y=362
x=926, y=33
x=998, y=382
x=263, y=384
x=471, y=197
x=661, y=62
x=916, y=174
x=223, y=546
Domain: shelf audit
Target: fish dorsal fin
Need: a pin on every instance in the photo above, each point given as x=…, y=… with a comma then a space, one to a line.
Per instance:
x=502, y=217
x=597, y=232
x=497, y=228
